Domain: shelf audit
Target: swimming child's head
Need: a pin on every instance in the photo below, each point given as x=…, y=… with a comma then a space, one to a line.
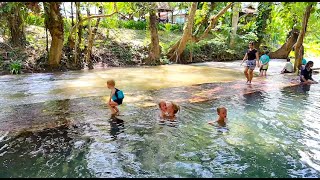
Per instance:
x=288, y=59
x=111, y=83
x=222, y=112
x=172, y=108
x=163, y=106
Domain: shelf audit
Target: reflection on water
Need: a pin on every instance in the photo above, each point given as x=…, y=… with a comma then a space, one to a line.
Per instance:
x=116, y=125
x=272, y=130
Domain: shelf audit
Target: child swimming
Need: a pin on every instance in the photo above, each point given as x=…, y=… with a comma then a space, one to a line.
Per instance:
x=222, y=119
x=116, y=96
x=168, y=109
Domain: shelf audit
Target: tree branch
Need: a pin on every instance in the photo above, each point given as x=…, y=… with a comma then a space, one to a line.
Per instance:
x=213, y=21
x=73, y=29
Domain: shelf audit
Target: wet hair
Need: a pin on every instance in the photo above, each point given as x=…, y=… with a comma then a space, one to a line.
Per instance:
x=111, y=82
x=221, y=107
x=160, y=103
x=175, y=107
x=288, y=59
x=309, y=64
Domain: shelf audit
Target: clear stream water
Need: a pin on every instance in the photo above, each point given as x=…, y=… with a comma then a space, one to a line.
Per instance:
x=57, y=124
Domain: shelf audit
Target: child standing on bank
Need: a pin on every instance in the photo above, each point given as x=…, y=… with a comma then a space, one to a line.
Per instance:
x=116, y=96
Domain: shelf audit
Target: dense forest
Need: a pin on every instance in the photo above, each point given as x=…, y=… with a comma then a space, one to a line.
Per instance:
x=51, y=36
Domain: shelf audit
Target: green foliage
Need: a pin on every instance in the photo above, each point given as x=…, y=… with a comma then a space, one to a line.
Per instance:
x=35, y=20
x=209, y=50
x=164, y=60
x=264, y=12
x=168, y=27
x=15, y=67
x=131, y=24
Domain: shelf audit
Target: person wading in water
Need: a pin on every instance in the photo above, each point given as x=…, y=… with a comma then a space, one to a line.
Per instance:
x=252, y=57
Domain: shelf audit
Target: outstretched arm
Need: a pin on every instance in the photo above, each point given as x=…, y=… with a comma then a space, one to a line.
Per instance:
x=257, y=57
x=244, y=58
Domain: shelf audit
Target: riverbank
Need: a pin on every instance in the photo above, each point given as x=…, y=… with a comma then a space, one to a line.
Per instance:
x=112, y=48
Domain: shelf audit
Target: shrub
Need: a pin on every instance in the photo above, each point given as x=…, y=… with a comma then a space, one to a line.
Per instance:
x=15, y=67
x=35, y=20
x=131, y=24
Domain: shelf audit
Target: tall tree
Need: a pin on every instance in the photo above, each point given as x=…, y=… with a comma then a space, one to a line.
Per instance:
x=54, y=22
x=13, y=11
x=77, y=51
x=284, y=51
x=177, y=49
x=264, y=14
x=235, y=18
x=91, y=39
x=298, y=47
x=154, y=48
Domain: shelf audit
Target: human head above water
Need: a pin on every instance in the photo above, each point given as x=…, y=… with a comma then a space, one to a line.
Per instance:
x=288, y=59
x=172, y=108
x=309, y=64
x=222, y=111
x=175, y=107
x=162, y=105
x=111, y=83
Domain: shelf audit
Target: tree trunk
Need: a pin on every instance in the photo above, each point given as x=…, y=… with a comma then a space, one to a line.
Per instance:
x=91, y=40
x=205, y=20
x=154, y=48
x=235, y=19
x=16, y=26
x=177, y=49
x=77, y=52
x=54, y=23
x=213, y=22
x=298, y=50
x=72, y=22
x=286, y=48
x=264, y=13
x=88, y=53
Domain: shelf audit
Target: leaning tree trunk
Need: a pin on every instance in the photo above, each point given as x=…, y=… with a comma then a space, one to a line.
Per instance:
x=235, y=19
x=264, y=9
x=54, y=23
x=91, y=39
x=286, y=48
x=177, y=49
x=154, y=49
x=205, y=21
x=16, y=26
x=298, y=50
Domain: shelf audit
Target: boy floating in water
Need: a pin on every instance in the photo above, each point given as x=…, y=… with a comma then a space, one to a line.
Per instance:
x=222, y=113
x=116, y=96
x=168, y=109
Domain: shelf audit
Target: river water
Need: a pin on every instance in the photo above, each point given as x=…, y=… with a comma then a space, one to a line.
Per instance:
x=58, y=125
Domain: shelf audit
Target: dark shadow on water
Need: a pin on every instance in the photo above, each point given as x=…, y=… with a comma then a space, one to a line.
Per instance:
x=254, y=99
x=116, y=126
x=49, y=148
